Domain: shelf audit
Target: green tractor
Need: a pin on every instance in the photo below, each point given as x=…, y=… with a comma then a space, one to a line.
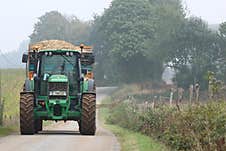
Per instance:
x=55, y=87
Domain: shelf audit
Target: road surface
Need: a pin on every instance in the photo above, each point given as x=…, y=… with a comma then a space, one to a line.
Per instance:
x=64, y=137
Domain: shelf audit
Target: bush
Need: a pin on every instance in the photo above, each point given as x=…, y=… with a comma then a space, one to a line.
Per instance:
x=199, y=127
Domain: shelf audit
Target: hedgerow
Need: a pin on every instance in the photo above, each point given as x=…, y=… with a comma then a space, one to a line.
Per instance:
x=197, y=127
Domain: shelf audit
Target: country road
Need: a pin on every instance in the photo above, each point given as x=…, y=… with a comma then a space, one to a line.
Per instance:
x=64, y=137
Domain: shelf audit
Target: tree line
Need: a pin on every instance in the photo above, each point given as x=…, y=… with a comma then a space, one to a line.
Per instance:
x=135, y=40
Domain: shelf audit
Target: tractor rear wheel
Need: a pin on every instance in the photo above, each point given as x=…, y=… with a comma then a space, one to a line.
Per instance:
x=38, y=125
x=27, y=114
x=87, y=125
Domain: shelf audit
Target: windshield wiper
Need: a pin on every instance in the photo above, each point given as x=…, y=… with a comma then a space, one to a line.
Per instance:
x=63, y=67
x=67, y=60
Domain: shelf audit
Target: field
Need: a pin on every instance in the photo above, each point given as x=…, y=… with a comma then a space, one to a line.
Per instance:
x=12, y=81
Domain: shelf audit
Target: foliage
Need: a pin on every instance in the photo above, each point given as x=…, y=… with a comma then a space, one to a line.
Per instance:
x=222, y=44
x=126, y=35
x=1, y=112
x=196, y=50
x=6, y=131
x=53, y=25
x=193, y=127
x=199, y=127
x=134, y=44
x=223, y=29
x=135, y=40
x=130, y=140
x=12, y=83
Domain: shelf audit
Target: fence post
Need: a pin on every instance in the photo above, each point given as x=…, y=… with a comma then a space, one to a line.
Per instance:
x=197, y=87
x=173, y=91
x=154, y=101
x=191, y=90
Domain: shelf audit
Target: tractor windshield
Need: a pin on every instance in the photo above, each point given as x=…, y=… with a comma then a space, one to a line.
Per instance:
x=59, y=64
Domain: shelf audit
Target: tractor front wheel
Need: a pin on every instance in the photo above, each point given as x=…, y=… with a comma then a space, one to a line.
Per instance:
x=87, y=125
x=27, y=114
x=38, y=125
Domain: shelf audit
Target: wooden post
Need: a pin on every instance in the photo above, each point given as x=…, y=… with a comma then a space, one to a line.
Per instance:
x=171, y=97
x=191, y=90
x=180, y=95
x=197, y=87
x=211, y=80
x=154, y=101
x=210, y=90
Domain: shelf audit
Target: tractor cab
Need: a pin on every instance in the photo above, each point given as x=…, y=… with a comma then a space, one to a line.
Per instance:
x=57, y=87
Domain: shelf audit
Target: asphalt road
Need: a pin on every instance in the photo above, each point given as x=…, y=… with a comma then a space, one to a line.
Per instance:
x=64, y=137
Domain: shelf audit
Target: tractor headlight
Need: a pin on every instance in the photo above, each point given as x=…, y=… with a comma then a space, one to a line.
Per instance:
x=58, y=93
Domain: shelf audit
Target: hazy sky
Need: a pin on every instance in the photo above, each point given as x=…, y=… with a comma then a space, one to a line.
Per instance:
x=18, y=16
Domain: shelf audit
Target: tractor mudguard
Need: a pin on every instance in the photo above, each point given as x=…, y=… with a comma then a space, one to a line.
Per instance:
x=22, y=93
x=29, y=85
x=84, y=93
x=91, y=85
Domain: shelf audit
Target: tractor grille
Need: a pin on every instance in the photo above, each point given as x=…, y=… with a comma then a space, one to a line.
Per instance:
x=57, y=86
x=57, y=111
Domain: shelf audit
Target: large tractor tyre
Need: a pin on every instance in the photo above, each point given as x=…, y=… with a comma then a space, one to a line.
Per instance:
x=87, y=125
x=27, y=114
x=38, y=125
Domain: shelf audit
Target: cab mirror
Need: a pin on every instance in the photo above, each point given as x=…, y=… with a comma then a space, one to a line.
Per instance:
x=87, y=59
x=81, y=79
x=24, y=58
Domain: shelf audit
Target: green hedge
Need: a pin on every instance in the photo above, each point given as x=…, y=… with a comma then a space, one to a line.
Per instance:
x=198, y=127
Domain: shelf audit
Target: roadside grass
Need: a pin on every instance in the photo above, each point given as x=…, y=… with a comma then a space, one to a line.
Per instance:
x=11, y=83
x=4, y=131
x=129, y=140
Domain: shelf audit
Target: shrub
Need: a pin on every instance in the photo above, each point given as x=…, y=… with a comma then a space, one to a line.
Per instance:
x=198, y=127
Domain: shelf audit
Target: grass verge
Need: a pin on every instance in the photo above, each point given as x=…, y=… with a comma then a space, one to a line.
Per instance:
x=129, y=140
x=4, y=131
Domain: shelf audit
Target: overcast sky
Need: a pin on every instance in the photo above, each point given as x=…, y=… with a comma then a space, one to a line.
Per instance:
x=18, y=16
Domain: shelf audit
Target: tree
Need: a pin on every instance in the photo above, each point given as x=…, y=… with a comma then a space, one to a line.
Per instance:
x=196, y=49
x=222, y=46
x=53, y=25
x=126, y=36
x=222, y=29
